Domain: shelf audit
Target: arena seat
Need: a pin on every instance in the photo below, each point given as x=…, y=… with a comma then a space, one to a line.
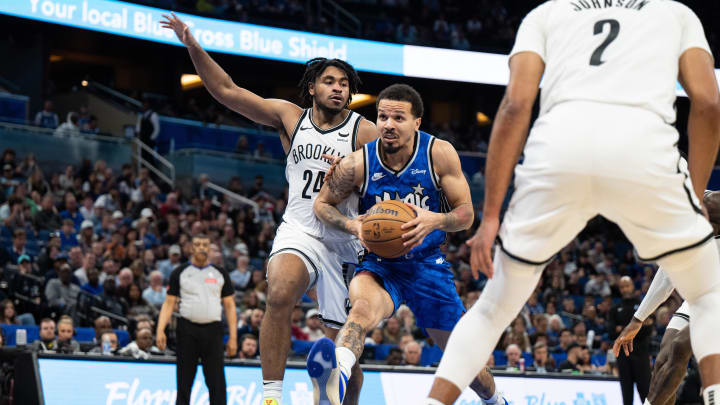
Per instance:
x=382, y=351
x=84, y=335
x=430, y=355
x=301, y=346
x=33, y=333
x=500, y=358
x=559, y=357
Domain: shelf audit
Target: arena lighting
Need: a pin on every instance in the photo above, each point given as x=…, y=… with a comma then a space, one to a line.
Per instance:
x=84, y=83
x=55, y=58
x=142, y=22
x=190, y=81
x=361, y=100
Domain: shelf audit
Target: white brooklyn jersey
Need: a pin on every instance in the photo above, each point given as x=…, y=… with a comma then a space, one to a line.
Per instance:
x=622, y=52
x=305, y=172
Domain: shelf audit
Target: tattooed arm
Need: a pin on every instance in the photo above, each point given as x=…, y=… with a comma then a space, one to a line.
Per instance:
x=346, y=178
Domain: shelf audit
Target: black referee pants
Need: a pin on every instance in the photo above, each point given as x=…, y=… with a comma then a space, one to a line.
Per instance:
x=200, y=342
x=634, y=370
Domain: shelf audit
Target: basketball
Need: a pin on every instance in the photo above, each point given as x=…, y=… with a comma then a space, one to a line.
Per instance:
x=381, y=228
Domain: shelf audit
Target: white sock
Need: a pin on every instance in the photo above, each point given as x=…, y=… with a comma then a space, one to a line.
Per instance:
x=272, y=389
x=647, y=402
x=492, y=400
x=431, y=401
x=345, y=360
x=711, y=395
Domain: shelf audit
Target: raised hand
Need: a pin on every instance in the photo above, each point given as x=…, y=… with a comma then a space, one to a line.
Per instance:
x=181, y=29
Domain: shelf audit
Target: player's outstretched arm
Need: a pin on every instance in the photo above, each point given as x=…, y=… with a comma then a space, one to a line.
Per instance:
x=270, y=112
x=346, y=178
x=697, y=77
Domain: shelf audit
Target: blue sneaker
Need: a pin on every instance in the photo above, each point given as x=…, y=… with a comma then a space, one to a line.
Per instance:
x=329, y=383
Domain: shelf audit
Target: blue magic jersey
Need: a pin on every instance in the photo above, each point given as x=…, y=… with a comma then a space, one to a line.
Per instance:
x=415, y=183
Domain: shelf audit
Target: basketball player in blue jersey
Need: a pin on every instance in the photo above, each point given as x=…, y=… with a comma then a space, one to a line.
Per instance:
x=305, y=254
x=412, y=166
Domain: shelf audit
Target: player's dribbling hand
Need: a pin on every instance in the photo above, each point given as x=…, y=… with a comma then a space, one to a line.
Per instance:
x=161, y=340
x=355, y=227
x=424, y=223
x=231, y=347
x=625, y=340
x=481, y=247
x=181, y=29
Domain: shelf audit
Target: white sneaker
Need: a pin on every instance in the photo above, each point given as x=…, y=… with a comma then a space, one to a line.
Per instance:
x=329, y=383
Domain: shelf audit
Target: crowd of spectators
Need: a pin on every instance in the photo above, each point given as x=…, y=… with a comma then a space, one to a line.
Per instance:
x=91, y=243
x=75, y=122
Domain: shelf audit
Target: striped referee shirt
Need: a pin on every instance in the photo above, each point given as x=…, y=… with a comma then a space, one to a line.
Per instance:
x=200, y=291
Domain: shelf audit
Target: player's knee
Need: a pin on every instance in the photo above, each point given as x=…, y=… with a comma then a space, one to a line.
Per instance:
x=363, y=313
x=282, y=296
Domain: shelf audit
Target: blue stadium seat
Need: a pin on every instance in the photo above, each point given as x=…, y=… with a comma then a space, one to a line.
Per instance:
x=84, y=335
x=430, y=355
x=43, y=235
x=559, y=358
x=301, y=346
x=500, y=358
x=528, y=359
x=123, y=337
x=33, y=333
x=598, y=359
x=382, y=351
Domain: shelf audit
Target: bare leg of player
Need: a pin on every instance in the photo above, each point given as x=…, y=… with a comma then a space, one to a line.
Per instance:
x=481, y=327
x=356, y=379
x=287, y=281
x=670, y=367
x=483, y=384
x=695, y=275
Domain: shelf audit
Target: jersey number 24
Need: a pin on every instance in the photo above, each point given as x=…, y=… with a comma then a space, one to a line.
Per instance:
x=308, y=177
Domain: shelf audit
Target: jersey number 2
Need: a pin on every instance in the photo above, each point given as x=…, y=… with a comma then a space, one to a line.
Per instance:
x=596, y=58
x=308, y=177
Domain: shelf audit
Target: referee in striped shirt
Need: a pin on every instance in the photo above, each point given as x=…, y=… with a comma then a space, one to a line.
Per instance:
x=203, y=291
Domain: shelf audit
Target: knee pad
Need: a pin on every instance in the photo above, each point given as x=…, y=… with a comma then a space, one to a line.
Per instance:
x=704, y=325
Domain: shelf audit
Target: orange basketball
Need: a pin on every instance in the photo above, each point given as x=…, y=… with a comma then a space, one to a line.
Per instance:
x=381, y=228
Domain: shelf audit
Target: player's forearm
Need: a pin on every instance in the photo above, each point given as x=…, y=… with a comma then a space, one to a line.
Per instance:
x=660, y=290
x=506, y=144
x=704, y=140
x=330, y=215
x=215, y=79
x=460, y=218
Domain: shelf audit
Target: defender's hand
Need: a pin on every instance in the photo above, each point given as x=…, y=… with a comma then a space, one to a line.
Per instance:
x=424, y=223
x=481, y=247
x=625, y=340
x=334, y=161
x=179, y=27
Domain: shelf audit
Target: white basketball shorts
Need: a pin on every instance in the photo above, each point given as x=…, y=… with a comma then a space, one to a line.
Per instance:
x=584, y=159
x=681, y=317
x=325, y=262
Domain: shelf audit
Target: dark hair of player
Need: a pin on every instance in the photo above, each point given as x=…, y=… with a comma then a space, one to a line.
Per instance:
x=403, y=92
x=316, y=66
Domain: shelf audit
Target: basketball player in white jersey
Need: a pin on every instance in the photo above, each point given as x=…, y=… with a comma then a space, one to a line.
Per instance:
x=305, y=253
x=675, y=349
x=603, y=144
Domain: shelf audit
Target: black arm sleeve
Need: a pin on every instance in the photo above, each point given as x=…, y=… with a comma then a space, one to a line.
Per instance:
x=227, y=289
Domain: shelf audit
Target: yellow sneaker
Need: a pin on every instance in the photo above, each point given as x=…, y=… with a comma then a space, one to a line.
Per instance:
x=270, y=401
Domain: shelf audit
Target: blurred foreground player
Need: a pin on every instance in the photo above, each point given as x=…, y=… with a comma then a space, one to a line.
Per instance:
x=675, y=349
x=305, y=253
x=203, y=292
x=408, y=165
x=603, y=144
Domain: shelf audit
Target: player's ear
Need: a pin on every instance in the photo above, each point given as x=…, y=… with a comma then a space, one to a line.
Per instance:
x=418, y=121
x=311, y=88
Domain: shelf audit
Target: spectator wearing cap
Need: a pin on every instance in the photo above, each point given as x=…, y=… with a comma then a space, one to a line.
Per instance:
x=87, y=235
x=241, y=275
x=155, y=293
x=60, y=292
x=167, y=266
x=571, y=363
x=313, y=325
x=47, y=218
x=93, y=285
x=71, y=210
x=68, y=237
x=47, y=117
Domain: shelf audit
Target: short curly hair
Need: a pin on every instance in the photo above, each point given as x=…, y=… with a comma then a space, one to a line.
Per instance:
x=314, y=68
